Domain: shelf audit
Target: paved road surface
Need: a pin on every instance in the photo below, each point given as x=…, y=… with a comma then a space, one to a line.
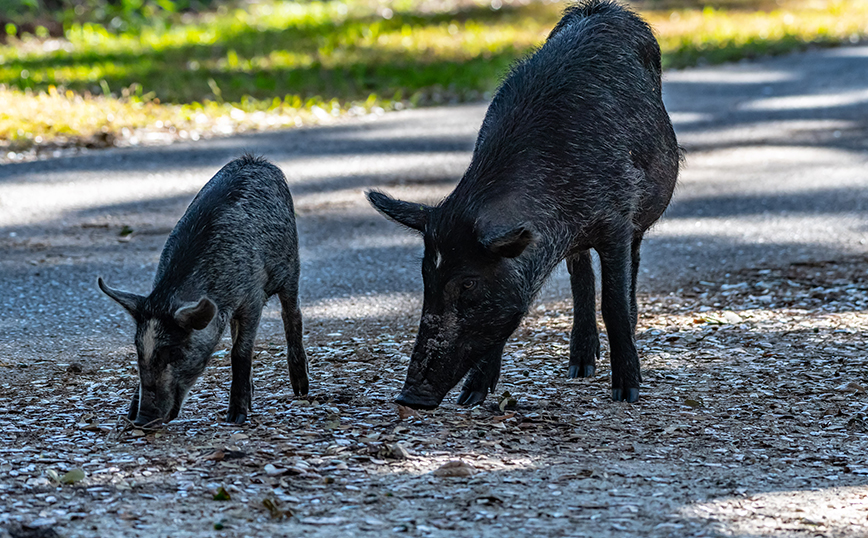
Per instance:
x=777, y=171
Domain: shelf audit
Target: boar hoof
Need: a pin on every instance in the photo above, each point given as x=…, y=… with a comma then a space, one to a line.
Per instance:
x=299, y=388
x=629, y=396
x=240, y=418
x=581, y=371
x=471, y=397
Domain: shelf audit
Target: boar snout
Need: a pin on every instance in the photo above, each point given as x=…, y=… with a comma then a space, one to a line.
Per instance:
x=149, y=415
x=424, y=388
x=417, y=401
x=418, y=394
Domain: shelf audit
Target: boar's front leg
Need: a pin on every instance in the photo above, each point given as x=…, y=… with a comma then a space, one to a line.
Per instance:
x=482, y=378
x=584, y=339
x=241, y=391
x=134, y=404
x=616, y=263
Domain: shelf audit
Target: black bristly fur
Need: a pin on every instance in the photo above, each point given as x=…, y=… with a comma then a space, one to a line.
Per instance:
x=235, y=246
x=576, y=152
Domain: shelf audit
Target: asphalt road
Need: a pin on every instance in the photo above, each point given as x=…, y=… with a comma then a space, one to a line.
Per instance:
x=776, y=172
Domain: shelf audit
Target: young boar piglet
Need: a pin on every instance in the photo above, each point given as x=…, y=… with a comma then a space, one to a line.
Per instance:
x=576, y=152
x=235, y=247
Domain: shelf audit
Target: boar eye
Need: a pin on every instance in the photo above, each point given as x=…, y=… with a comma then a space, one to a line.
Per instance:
x=468, y=284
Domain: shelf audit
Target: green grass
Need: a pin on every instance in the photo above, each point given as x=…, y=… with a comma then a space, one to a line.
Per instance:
x=319, y=48
x=288, y=63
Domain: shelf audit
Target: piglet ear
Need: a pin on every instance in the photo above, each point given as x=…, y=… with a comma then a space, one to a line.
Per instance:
x=413, y=216
x=196, y=315
x=507, y=242
x=130, y=301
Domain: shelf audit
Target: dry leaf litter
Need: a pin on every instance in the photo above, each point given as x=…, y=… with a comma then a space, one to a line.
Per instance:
x=752, y=422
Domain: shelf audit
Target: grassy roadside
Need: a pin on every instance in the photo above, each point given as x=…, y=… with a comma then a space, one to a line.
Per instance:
x=286, y=63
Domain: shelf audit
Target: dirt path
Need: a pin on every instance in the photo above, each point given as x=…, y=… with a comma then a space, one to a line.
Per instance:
x=752, y=338
x=752, y=423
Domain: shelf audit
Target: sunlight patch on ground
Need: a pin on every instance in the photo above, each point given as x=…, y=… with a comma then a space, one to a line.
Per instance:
x=804, y=102
x=799, y=134
x=780, y=513
x=474, y=463
x=689, y=117
x=727, y=75
x=789, y=227
x=377, y=305
x=384, y=164
x=21, y=208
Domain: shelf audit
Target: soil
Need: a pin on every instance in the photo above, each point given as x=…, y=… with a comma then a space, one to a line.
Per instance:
x=751, y=423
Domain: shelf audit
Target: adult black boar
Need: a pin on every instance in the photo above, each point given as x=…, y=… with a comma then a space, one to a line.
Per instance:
x=576, y=152
x=235, y=247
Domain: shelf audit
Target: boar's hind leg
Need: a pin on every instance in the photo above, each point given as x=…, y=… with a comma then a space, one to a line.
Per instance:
x=241, y=391
x=617, y=269
x=584, y=340
x=482, y=378
x=634, y=259
x=295, y=356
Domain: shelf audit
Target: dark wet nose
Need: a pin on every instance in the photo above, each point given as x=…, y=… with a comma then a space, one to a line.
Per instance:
x=416, y=401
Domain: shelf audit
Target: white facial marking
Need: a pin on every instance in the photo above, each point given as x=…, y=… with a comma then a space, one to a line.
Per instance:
x=149, y=341
x=438, y=259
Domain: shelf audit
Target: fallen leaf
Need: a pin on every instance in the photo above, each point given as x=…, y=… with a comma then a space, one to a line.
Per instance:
x=217, y=455
x=732, y=317
x=222, y=495
x=271, y=470
x=506, y=401
x=456, y=469
x=273, y=509
x=405, y=412
x=394, y=451
x=851, y=387
x=72, y=476
x=324, y=520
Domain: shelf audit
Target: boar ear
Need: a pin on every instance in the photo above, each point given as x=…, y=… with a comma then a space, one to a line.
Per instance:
x=196, y=315
x=130, y=301
x=507, y=242
x=414, y=216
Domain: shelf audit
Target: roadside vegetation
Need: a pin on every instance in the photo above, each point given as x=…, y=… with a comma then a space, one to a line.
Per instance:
x=129, y=72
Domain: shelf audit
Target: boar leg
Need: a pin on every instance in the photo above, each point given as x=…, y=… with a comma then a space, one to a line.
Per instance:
x=617, y=269
x=292, y=326
x=482, y=378
x=584, y=340
x=634, y=258
x=241, y=392
x=134, y=404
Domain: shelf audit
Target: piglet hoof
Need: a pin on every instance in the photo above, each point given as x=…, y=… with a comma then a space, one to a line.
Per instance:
x=629, y=395
x=300, y=388
x=581, y=371
x=471, y=397
x=236, y=418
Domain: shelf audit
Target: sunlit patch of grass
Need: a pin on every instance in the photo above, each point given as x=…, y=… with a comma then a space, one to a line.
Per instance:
x=62, y=118
x=319, y=48
x=714, y=36
x=348, y=56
